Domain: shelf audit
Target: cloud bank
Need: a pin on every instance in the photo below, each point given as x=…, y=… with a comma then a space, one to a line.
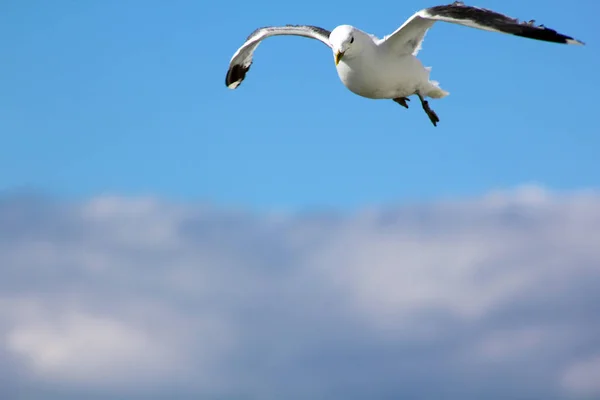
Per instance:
x=492, y=297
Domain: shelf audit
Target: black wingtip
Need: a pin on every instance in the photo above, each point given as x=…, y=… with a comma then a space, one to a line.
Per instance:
x=235, y=75
x=503, y=23
x=542, y=33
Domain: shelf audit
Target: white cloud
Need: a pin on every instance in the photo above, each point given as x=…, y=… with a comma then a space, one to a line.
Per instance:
x=583, y=377
x=471, y=296
x=80, y=347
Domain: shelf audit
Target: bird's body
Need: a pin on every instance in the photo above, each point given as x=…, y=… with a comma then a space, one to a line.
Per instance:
x=394, y=75
x=388, y=68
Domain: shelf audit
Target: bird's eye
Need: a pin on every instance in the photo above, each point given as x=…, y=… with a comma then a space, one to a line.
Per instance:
x=352, y=40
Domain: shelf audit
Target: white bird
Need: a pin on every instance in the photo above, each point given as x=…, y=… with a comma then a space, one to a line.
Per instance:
x=388, y=68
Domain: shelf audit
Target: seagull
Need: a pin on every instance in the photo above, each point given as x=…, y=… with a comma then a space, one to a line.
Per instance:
x=388, y=68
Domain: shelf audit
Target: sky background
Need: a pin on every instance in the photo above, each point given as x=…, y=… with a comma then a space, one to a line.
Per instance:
x=162, y=236
x=129, y=97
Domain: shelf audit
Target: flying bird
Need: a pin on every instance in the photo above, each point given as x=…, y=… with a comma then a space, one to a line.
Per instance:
x=388, y=68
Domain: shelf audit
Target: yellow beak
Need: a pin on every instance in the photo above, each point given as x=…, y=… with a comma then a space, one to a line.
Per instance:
x=338, y=56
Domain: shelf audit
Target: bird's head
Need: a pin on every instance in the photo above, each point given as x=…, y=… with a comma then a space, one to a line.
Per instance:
x=343, y=42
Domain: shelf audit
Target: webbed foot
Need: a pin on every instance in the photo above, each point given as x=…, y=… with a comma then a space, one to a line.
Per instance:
x=430, y=113
x=402, y=101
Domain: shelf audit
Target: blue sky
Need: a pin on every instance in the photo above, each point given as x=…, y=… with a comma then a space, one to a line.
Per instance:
x=129, y=97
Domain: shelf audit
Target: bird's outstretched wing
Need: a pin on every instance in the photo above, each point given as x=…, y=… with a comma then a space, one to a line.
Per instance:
x=408, y=38
x=242, y=59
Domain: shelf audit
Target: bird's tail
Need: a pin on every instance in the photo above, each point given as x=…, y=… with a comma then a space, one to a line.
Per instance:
x=434, y=90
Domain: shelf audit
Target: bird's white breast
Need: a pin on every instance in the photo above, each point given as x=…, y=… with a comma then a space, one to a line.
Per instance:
x=376, y=74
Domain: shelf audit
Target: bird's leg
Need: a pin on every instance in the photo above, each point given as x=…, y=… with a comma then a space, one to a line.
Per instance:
x=430, y=113
x=402, y=101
